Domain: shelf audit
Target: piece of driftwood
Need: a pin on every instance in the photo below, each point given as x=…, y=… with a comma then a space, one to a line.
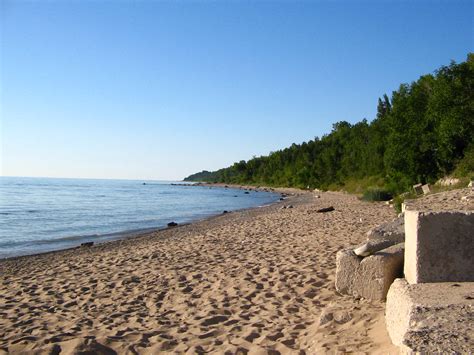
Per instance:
x=325, y=209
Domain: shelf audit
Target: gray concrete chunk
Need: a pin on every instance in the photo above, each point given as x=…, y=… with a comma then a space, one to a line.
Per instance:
x=426, y=189
x=368, y=277
x=439, y=246
x=418, y=189
x=394, y=230
x=431, y=317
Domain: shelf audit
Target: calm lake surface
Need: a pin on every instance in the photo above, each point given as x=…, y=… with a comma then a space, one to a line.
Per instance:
x=44, y=214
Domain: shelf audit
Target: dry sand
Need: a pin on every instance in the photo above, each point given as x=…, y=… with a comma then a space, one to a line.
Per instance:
x=255, y=281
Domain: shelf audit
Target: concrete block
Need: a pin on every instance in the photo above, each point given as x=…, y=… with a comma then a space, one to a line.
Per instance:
x=394, y=231
x=368, y=277
x=418, y=189
x=426, y=189
x=347, y=263
x=439, y=246
x=431, y=318
x=404, y=207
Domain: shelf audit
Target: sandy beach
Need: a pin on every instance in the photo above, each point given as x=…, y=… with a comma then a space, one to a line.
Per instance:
x=254, y=281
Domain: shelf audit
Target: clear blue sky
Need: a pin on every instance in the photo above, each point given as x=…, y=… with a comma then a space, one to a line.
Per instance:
x=160, y=90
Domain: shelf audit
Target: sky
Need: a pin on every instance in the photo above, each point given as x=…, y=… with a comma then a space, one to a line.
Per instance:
x=164, y=89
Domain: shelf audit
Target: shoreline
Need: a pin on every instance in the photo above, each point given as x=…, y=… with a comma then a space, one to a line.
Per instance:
x=130, y=235
x=153, y=232
x=126, y=234
x=256, y=279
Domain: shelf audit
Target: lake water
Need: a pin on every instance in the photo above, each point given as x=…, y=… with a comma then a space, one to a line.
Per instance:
x=44, y=214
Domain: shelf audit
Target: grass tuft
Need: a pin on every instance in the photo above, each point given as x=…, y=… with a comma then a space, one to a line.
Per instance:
x=376, y=194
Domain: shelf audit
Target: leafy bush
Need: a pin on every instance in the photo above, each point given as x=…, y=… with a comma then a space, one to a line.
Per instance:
x=465, y=167
x=376, y=194
x=358, y=186
x=398, y=200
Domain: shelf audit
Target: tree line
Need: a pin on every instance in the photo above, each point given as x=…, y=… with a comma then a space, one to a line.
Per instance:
x=422, y=132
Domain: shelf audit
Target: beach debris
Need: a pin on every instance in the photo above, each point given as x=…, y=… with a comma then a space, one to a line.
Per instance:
x=282, y=199
x=470, y=184
x=87, y=244
x=369, y=269
x=225, y=211
x=172, y=224
x=317, y=196
x=363, y=250
x=418, y=189
x=430, y=318
x=394, y=231
x=439, y=276
x=369, y=277
x=336, y=313
x=325, y=209
x=439, y=246
x=325, y=317
x=372, y=247
x=287, y=206
x=426, y=189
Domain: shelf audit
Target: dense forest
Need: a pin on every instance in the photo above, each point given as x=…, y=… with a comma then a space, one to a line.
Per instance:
x=422, y=132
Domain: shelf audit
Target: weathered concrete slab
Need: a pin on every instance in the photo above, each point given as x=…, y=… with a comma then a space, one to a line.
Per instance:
x=439, y=246
x=347, y=263
x=368, y=277
x=393, y=230
x=426, y=189
x=431, y=317
x=418, y=189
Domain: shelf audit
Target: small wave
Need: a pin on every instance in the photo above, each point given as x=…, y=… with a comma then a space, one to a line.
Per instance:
x=5, y=213
x=76, y=239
